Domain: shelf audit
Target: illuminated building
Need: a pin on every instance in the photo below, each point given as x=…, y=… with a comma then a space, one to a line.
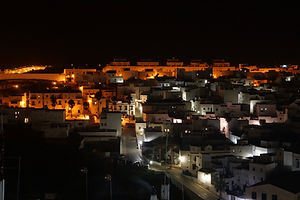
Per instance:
x=150, y=69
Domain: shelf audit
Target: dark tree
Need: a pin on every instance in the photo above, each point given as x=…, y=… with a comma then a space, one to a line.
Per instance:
x=53, y=100
x=71, y=103
x=98, y=96
x=220, y=186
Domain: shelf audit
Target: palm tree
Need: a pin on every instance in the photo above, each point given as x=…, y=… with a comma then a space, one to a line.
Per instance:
x=71, y=105
x=98, y=96
x=220, y=186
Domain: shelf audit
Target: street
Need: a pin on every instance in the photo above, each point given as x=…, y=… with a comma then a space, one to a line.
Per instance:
x=176, y=175
x=132, y=153
x=129, y=145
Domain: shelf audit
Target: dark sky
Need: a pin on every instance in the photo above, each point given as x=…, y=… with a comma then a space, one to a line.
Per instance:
x=87, y=31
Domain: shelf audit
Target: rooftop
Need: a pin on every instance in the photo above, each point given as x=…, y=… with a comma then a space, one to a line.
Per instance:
x=287, y=181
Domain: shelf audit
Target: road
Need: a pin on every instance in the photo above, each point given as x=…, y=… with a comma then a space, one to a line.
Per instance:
x=196, y=188
x=129, y=145
x=132, y=153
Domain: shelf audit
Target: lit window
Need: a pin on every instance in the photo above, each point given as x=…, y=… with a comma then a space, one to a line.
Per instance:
x=26, y=120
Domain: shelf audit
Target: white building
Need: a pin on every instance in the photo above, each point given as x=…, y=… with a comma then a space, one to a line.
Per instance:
x=111, y=120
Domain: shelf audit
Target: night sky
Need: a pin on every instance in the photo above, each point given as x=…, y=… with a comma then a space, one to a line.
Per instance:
x=92, y=32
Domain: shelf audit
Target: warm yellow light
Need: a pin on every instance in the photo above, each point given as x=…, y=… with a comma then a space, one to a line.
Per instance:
x=26, y=120
x=16, y=86
x=54, y=83
x=90, y=100
x=73, y=76
x=150, y=77
x=81, y=88
x=22, y=103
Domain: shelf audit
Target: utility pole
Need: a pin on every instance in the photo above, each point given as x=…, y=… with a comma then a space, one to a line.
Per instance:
x=108, y=178
x=2, y=180
x=182, y=191
x=165, y=188
x=19, y=178
x=85, y=171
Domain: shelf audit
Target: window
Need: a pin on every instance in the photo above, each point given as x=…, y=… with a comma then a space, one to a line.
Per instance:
x=263, y=196
x=261, y=179
x=253, y=169
x=253, y=195
x=253, y=177
x=261, y=169
x=78, y=111
x=274, y=196
x=26, y=120
x=297, y=163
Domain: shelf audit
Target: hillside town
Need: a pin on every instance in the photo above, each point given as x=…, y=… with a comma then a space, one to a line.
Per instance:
x=225, y=131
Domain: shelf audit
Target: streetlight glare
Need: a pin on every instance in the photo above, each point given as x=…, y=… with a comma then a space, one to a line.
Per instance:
x=181, y=158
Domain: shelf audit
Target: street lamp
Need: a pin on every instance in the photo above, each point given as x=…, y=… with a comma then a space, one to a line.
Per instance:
x=85, y=171
x=108, y=178
x=181, y=158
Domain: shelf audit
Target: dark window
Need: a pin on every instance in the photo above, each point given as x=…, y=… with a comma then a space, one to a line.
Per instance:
x=253, y=169
x=297, y=163
x=253, y=195
x=261, y=179
x=194, y=166
x=263, y=196
x=78, y=111
x=274, y=197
